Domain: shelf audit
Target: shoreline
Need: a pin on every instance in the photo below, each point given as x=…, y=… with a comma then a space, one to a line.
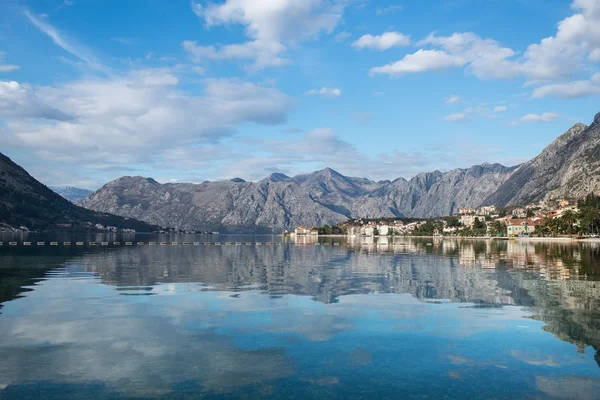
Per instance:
x=521, y=239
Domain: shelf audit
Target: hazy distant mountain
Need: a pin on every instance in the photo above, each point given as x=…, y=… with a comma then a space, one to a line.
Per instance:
x=70, y=193
x=25, y=201
x=568, y=167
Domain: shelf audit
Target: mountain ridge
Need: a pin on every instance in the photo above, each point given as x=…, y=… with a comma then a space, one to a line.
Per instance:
x=280, y=202
x=73, y=194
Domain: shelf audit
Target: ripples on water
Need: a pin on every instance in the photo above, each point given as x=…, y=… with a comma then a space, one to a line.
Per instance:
x=386, y=319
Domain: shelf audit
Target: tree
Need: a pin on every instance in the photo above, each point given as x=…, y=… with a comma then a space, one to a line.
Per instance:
x=453, y=221
x=569, y=218
x=497, y=228
x=530, y=213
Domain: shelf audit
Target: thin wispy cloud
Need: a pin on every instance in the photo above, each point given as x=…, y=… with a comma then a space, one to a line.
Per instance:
x=65, y=43
x=124, y=40
x=452, y=99
x=6, y=67
x=389, y=9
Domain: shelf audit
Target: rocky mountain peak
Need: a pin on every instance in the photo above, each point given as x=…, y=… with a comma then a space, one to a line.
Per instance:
x=278, y=177
x=328, y=173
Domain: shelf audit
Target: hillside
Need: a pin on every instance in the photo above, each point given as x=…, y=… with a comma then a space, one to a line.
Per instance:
x=568, y=167
x=25, y=201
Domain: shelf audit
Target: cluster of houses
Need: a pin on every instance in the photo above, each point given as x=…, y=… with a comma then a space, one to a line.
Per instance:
x=517, y=221
x=7, y=228
x=381, y=228
x=306, y=231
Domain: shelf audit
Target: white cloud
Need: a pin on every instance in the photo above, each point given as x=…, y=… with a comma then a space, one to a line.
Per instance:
x=325, y=92
x=484, y=58
x=570, y=90
x=272, y=25
x=19, y=101
x=283, y=20
x=595, y=55
x=476, y=112
x=456, y=117
x=577, y=38
x=382, y=42
x=65, y=43
x=124, y=40
x=422, y=60
x=340, y=37
x=263, y=54
x=389, y=9
x=545, y=117
x=6, y=67
x=131, y=119
x=452, y=99
x=573, y=49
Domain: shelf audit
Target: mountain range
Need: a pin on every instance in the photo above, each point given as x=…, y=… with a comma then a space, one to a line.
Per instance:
x=568, y=167
x=24, y=201
x=70, y=193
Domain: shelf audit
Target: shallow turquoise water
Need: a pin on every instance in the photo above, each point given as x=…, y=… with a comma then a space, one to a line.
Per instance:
x=402, y=319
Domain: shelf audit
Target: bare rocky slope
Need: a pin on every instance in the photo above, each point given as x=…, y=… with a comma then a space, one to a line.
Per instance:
x=567, y=167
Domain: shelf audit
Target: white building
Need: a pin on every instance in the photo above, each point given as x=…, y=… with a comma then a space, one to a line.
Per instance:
x=469, y=220
x=384, y=230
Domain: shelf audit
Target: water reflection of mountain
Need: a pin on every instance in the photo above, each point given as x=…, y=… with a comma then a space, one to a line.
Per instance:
x=559, y=281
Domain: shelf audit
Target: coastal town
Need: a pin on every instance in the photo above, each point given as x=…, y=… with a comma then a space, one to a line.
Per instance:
x=547, y=218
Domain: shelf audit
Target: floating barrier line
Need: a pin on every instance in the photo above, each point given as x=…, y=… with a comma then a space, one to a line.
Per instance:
x=120, y=244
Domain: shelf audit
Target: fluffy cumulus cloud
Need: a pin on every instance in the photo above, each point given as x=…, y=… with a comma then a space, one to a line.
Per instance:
x=574, y=49
x=103, y=123
x=324, y=91
x=422, y=60
x=271, y=26
x=384, y=41
x=545, y=117
x=484, y=58
x=576, y=42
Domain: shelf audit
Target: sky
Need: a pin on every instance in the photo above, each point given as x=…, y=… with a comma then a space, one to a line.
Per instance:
x=91, y=90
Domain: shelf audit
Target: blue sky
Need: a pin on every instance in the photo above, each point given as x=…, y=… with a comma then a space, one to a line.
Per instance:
x=91, y=90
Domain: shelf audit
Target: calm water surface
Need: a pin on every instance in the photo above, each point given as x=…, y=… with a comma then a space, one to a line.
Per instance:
x=399, y=319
